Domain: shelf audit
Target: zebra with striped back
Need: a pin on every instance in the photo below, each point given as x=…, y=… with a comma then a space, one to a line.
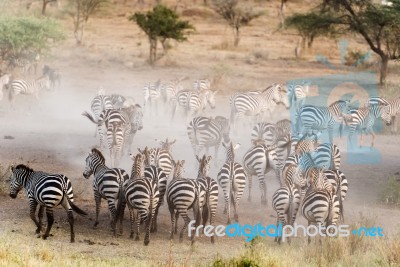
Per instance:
x=4, y=81
x=232, y=180
x=197, y=101
x=206, y=132
x=107, y=184
x=201, y=85
x=134, y=115
x=255, y=103
x=340, y=187
x=394, y=107
x=259, y=160
x=156, y=174
x=264, y=131
x=320, y=205
x=363, y=119
x=141, y=194
x=297, y=94
x=169, y=92
x=208, y=192
x=286, y=203
x=311, y=117
x=118, y=101
x=284, y=127
x=162, y=157
x=26, y=62
x=180, y=100
x=47, y=191
x=28, y=87
x=182, y=195
x=151, y=95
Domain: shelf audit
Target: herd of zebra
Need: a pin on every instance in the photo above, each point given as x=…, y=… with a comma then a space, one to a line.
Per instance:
x=307, y=170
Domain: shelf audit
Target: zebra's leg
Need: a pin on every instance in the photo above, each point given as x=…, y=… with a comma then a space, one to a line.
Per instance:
x=71, y=225
x=250, y=179
x=97, y=199
x=32, y=212
x=172, y=213
x=132, y=219
x=114, y=217
x=186, y=219
x=154, y=220
x=263, y=188
x=40, y=215
x=176, y=222
x=50, y=221
x=235, y=207
x=139, y=218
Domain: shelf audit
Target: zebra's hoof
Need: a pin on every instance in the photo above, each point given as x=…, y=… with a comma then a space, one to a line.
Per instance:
x=146, y=242
x=44, y=237
x=137, y=238
x=131, y=235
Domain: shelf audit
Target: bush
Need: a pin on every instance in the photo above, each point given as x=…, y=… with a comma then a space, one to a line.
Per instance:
x=356, y=58
x=390, y=193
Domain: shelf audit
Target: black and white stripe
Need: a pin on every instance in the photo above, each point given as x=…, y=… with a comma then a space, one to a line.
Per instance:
x=206, y=132
x=151, y=95
x=264, y=131
x=232, y=180
x=47, y=191
x=201, y=85
x=340, y=187
x=162, y=157
x=26, y=87
x=107, y=184
x=297, y=94
x=197, y=102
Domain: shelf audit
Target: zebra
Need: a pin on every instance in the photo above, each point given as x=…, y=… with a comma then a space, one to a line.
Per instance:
x=201, y=85
x=197, y=101
x=107, y=184
x=232, y=180
x=53, y=74
x=255, y=103
x=209, y=192
x=151, y=94
x=204, y=132
x=134, y=115
x=264, y=131
x=283, y=128
x=161, y=157
x=4, y=81
x=47, y=191
x=25, y=62
x=340, y=187
x=286, y=202
x=180, y=100
x=297, y=94
x=28, y=87
x=156, y=174
x=118, y=101
x=320, y=118
x=394, y=107
x=259, y=160
x=141, y=195
x=327, y=156
x=320, y=205
x=364, y=119
x=182, y=195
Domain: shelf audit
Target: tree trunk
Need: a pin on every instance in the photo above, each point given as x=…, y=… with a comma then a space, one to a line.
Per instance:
x=383, y=70
x=153, y=50
x=236, y=36
x=45, y=2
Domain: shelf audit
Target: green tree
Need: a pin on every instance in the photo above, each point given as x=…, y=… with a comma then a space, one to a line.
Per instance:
x=235, y=15
x=377, y=24
x=161, y=24
x=19, y=35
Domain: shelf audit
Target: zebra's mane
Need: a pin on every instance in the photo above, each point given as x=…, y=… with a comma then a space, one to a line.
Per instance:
x=337, y=102
x=23, y=167
x=97, y=152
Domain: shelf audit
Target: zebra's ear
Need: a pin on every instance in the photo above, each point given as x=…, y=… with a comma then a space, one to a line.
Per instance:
x=236, y=146
x=198, y=159
x=209, y=158
x=173, y=142
x=140, y=151
x=132, y=156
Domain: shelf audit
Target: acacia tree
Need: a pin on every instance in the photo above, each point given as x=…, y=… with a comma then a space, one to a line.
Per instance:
x=377, y=24
x=161, y=24
x=80, y=12
x=236, y=16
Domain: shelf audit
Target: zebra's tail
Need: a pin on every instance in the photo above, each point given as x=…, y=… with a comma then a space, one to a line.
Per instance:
x=340, y=205
x=291, y=208
x=75, y=207
x=206, y=207
x=90, y=117
x=121, y=201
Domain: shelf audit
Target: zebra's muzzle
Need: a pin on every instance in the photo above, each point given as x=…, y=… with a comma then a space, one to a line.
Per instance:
x=13, y=195
x=86, y=175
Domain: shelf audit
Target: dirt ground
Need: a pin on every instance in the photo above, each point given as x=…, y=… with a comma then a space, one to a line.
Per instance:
x=50, y=134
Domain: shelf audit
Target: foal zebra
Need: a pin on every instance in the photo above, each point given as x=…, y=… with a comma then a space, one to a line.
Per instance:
x=206, y=132
x=208, y=192
x=320, y=118
x=232, y=180
x=47, y=191
x=107, y=184
x=182, y=195
x=27, y=87
x=142, y=196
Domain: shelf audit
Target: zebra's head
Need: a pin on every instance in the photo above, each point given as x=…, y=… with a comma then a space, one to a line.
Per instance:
x=204, y=166
x=146, y=154
x=230, y=150
x=280, y=95
x=178, y=168
x=386, y=114
x=93, y=160
x=210, y=97
x=138, y=166
x=166, y=145
x=18, y=178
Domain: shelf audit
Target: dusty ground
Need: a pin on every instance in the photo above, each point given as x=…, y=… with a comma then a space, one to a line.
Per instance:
x=51, y=135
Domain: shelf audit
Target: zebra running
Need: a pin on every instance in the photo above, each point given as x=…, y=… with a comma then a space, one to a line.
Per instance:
x=204, y=132
x=264, y=131
x=286, y=202
x=258, y=161
x=394, y=107
x=198, y=100
x=340, y=187
x=156, y=174
x=320, y=205
x=297, y=94
x=4, y=81
x=151, y=94
x=232, y=180
x=134, y=115
x=28, y=87
x=311, y=117
x=208, y=192
x=107, y=184
x=161, y=157
x=47, y=191
x=201, y=85
x=182, y=195
x=170, y=90
x=26, y=62
x=255, y=103
x=53, y=74
x=141, y=195
x=363, y=119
